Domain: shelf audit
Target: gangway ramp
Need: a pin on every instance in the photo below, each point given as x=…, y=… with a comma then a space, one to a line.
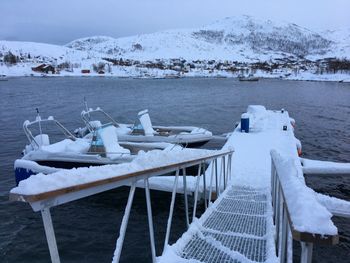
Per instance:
x=238, y=227
x=252, y=221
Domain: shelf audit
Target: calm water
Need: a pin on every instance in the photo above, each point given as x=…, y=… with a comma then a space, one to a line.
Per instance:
x=86, y=230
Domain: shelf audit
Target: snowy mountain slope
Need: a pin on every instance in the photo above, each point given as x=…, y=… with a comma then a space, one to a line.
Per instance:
x=227, y=48
x=239, y=38
x=45, y=52
x=341, y=38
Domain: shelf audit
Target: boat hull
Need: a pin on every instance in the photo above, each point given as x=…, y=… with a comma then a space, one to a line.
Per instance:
x=22, y=174
x=26, y=168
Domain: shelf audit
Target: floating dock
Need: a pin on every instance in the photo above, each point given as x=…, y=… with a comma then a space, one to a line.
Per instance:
x=257, y=181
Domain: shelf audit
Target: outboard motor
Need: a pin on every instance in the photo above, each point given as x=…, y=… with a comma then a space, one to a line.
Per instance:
x=146, y=123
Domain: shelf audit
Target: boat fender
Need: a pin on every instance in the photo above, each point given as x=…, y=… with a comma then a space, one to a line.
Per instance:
x=292, y=122
x=299, y=148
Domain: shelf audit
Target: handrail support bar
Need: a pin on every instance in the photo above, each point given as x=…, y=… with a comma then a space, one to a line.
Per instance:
x=150, y=220
x=50, y=235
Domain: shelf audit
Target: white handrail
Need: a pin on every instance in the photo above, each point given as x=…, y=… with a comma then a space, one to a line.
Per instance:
x=45, y=200
x=285, y=224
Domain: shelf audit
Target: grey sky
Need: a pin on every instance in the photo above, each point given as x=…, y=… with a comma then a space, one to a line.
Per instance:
x=64, y=20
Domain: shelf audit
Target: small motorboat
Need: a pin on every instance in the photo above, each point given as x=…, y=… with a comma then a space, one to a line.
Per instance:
x=3, y=78
x=99, y=147
x=250, y=77
x=144, y=131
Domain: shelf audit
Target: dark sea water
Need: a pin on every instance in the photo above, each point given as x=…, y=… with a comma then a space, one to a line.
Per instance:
x=86, y=230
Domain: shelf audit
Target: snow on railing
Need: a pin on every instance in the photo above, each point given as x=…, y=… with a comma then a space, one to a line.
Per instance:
x=324, y=167
x=336, y=206
x=297, y=211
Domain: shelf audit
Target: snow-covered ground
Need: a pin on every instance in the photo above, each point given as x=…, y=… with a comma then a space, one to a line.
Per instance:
x=226, y=48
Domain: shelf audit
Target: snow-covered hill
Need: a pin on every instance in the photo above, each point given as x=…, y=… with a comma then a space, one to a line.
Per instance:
x=228, y=47
x=239, y=38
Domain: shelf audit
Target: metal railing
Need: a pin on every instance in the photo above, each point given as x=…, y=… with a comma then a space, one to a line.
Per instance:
x=284, y=225
x=220, y=172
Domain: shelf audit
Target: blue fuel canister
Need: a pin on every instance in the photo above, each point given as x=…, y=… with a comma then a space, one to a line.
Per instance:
x=245, y=122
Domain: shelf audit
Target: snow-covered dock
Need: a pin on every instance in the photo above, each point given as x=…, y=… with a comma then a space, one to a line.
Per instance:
x=243, y=224
x=262, y=201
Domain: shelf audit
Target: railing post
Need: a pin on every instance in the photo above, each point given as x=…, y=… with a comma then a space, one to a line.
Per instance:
x=185, y=196
x=120, y=240
x=277, y=192
x=211, y=181
x=273, y=189
x=50, y=235
x=284, y=241
x=204, y=187
x=173, y=196
x=306, y=252
x=224, y=171
x=278, y=215
x=220, y=178
x=196, y=191
x=216, y=177
x=150, y=220
x=230, y=166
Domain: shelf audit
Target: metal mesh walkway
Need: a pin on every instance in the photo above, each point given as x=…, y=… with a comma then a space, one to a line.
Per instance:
x=233, y=229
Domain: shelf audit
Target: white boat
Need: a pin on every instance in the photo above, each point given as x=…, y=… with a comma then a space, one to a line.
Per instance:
x=144, y=131
x=3, y=78
x=97, y=148
x=250, y=77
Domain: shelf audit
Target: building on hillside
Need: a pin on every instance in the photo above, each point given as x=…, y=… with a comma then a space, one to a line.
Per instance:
x=45, y=68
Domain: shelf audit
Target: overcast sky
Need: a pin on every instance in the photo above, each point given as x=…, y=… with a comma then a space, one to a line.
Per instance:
x=61, y=21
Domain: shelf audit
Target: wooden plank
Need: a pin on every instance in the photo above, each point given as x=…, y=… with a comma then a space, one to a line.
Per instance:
x=75, y=188
x=315, y=238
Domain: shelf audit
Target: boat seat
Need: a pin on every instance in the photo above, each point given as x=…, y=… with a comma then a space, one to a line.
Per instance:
x=42, y=139
x=95, y=124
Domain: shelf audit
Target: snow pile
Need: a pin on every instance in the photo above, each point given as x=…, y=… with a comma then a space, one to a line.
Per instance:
x=67, y=145
x=110, y=141
x=42, y=183
x=306, y=213
x=324, y=167
x=257, y=117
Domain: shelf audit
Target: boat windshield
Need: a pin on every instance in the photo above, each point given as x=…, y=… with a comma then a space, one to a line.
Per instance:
x=97, y=118
x=46, y=131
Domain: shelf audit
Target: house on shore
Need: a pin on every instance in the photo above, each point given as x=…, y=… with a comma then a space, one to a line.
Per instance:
x=45, y=68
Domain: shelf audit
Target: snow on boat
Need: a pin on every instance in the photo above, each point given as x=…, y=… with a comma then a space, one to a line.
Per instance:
x=144, y=131
x=97, y=148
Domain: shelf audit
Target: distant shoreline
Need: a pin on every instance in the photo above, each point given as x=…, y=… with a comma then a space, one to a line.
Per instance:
x=345, y=80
